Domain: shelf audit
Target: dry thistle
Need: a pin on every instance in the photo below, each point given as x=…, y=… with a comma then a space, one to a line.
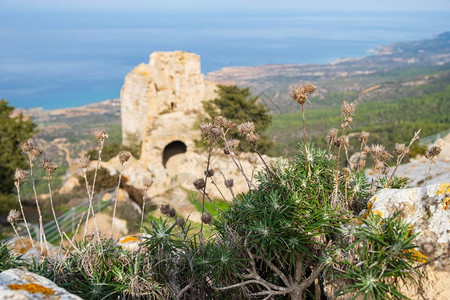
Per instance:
x=401, y=149
x=165, y=209
x=206, y=218
x=229, y=183
x=341, y=141
x=253, y=138
x=181, y=222
x=348, y=109
x=49, y=166
x=210, y=132
x=199, y=184
x=100, y=134
x=124, y=156
x=380, y=153
x=172, y=213
x=209, y=173
x=364, y=137
x=331, y=135
x=36, y=152
x=246, y=128
x=83, y=162
x=223, y=122
x=13, y=216
x=148, y=182
x=433, y=152
x=20, y=176
x=300, y=92
x=27, y=146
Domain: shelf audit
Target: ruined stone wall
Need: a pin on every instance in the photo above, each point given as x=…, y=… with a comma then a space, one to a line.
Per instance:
x=171, y=82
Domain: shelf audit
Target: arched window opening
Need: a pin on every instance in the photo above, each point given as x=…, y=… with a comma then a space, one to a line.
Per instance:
x=172, y=149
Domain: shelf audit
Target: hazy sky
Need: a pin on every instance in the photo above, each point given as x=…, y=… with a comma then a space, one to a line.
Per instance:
x=208, y=5
x=59, y=53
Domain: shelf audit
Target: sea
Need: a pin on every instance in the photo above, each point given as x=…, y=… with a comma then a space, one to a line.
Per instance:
x=58, y=61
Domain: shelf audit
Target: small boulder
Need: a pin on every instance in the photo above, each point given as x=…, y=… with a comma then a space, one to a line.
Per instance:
x=17, y=284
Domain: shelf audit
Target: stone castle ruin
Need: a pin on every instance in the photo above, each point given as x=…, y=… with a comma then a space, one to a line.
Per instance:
x=161, y=105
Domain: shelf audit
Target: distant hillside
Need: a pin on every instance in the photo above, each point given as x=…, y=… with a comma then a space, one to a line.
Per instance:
x=393, y=71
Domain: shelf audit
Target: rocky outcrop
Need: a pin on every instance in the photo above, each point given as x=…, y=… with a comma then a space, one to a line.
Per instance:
x=17, y=284
x=427, y=210
x=417, y=168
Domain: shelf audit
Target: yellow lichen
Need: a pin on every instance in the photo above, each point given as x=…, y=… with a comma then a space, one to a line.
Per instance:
x=444, y=189
x=32, y=288
x=416, y=255
x=129, y=239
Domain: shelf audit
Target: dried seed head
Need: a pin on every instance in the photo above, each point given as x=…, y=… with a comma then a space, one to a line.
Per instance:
x=172, y=213
x=223, y=122
x=49, y=166
x=434, y=151
x=165, y=208
x=27, y=146
x=13, y=216
x=253, y=138
x=229, y=183
x=219, y=121
x=341, y=141
x=401, y=149
x=124, y=156
x=380, y=153
x=246, y=128
x=100, y=134
x=210, y=132
x=209, y=173
x=253, y=159
x=199, y=184
x=309, y=88
x=20, y=176
x=36, y=152
x=300, y=92
x=348, y=109
x=181, y=222
x=148, y=181
x=331, y=135
x=364, y=137
x=83, y=162
x=206, y=218
x=348, y=120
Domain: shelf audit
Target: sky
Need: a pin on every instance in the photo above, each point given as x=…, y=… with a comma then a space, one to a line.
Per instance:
x=63, y=53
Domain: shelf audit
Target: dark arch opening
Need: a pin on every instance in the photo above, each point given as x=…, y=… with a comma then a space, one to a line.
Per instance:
x=172, y=149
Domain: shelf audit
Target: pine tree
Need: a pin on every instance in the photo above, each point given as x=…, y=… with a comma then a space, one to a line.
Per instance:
x=239, y=105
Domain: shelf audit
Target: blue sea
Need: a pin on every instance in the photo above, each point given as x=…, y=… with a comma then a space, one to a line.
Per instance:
x=65, y=60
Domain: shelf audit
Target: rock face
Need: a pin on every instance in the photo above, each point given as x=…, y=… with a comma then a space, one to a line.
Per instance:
x=17, y=284
x=428, y=211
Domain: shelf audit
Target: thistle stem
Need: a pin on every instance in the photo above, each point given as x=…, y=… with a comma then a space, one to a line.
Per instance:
x=115, y=203
x=42, y=238
x=53, y=208
x=23, y=215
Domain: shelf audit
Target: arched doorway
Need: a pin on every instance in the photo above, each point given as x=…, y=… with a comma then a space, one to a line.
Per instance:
x=172, y=149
